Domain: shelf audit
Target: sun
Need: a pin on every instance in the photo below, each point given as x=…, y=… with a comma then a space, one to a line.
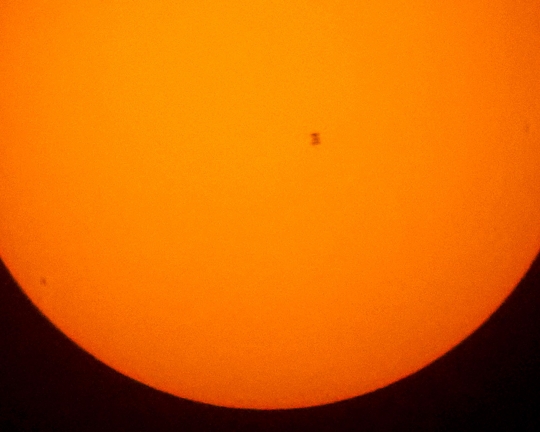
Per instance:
x=268, y=205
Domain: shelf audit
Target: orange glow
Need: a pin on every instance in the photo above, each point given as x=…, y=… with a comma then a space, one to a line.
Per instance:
x=164, y=202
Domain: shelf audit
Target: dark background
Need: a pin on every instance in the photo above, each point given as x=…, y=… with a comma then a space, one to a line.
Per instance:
x=489, y=382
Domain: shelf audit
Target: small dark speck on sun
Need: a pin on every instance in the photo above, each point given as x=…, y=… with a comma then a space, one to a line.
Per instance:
x=315, y=138
x=43, y=281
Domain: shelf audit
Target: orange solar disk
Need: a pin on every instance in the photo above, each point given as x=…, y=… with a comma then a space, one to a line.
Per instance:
x=269, y=204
